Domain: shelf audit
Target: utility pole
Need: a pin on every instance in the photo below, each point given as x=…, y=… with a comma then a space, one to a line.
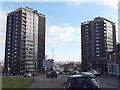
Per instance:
x=79, y=64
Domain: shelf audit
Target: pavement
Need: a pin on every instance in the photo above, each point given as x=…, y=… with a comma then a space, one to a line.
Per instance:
x=105, y=81
x=108, y=81
x=43, y=82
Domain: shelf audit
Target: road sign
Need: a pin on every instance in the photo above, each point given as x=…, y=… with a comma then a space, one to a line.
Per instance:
x=48, y=63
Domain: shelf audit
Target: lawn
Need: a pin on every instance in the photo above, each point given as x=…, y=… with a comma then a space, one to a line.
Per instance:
x=16, y=82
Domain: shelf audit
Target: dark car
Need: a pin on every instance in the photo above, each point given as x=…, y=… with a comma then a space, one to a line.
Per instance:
x=52, y=74
x=95, y=72
x=89, y=74
x=75, y=72
x=77, y=82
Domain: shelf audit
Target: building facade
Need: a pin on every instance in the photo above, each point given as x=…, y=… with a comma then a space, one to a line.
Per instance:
x=25, y=41
x=114, y=65
x=98, y=37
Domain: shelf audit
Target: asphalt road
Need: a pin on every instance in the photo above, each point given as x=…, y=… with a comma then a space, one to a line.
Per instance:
x=104, y=81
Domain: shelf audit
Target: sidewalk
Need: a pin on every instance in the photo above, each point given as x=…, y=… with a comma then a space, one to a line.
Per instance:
x=41, y=82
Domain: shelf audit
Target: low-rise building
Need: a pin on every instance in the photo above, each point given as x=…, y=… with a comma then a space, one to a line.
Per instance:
x=114, y=61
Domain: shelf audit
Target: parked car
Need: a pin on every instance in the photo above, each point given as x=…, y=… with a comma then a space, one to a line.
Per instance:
x=27, y=75
x=95, y=72
x=88, y=74
x=52, y=74
x=73, y=73
x=7, y=74
x=35, y=74
x=82, y=81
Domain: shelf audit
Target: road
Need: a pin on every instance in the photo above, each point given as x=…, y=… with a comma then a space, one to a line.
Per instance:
x=104, y=81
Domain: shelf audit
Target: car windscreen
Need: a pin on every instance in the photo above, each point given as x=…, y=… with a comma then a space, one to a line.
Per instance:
x=83, y=82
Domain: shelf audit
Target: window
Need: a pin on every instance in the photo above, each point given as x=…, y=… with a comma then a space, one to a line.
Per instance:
x=98, y=55
x=97, y=48
x=15, y=36
x=96, y=24
x=9, y=31
x=86, y=26
x=16, y=33
x=96, y=27
x=97, y=41
x=8, y=56
x=97, y=34
x=97, y=51
x=97, y=31
x=86, y=29
x=97, y=37
x=87, y=32
x=16, y=21
x=10, y=24
x=9, y=20
x=9, y=27
x=97, y=44
x=16, y=14
x=16, y=25
x=86, y=35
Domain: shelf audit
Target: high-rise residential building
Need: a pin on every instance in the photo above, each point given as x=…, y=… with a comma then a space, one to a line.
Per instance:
x=118, y=22
x=98, y=37
x=25, y=41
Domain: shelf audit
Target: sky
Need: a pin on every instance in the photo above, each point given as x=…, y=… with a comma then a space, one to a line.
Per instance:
x=63, y=19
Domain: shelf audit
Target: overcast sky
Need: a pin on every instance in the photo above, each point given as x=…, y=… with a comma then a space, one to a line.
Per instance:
x=63, y=21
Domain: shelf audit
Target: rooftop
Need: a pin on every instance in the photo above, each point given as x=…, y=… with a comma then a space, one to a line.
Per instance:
x=97, y=19
x=27, y=8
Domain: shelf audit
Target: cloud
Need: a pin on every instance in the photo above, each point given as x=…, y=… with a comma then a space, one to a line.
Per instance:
x=3, y=19
x=110, y=3
x=63, y=33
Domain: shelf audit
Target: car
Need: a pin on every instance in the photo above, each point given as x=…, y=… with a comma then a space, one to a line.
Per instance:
x=95, y=72
x=82, y=81
x=52, y=74
x=88, y=74
x=27, y=75
x=73, y=73
x=35, y=74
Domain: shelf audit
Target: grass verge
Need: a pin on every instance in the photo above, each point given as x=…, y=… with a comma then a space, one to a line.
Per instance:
x=16, y=82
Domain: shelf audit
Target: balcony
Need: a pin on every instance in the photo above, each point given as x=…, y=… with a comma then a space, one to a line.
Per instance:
x=23, y=14
x=23, y=18
x=24, y=22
